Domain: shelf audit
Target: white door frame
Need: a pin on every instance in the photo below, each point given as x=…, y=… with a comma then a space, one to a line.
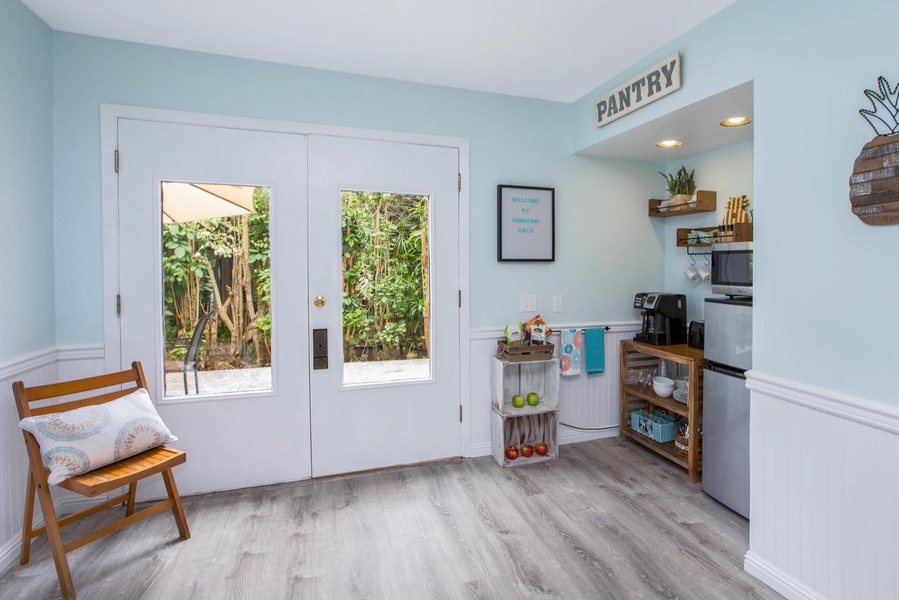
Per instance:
x=109, y=115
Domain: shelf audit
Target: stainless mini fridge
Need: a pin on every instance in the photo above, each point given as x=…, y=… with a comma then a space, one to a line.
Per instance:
x=725, y=418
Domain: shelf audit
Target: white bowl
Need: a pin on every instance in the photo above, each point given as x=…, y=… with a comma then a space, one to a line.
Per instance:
x=662, y=392
x=663, y=382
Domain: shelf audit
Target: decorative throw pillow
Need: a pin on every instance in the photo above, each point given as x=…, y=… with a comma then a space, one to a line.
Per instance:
x=80, y=440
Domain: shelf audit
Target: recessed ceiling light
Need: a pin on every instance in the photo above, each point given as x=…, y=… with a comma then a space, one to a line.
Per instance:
x=736, y=121
x=668, y=144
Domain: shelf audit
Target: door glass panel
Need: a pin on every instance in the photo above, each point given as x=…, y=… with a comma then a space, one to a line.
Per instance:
x=386, y=282
x=216, y=289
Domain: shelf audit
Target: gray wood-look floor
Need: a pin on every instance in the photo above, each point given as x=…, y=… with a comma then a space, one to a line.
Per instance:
x=605, y=520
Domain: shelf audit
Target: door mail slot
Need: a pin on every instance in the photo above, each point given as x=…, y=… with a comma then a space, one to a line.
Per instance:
x=319, y=349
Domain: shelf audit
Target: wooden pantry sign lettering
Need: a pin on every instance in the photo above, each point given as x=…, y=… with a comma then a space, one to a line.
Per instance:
x=652, y=84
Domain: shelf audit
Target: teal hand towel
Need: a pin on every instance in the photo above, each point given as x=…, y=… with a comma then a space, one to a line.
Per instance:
x=595, y=348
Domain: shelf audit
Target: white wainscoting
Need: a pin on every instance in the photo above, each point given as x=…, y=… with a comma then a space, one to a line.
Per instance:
x=586, y=401
x=47, y=366
x=824, y=490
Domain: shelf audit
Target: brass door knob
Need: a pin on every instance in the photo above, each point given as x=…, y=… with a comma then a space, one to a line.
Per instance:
x=319, y=301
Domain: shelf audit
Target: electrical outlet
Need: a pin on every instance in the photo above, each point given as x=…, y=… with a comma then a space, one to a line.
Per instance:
x=557, y=303
x=529, y=303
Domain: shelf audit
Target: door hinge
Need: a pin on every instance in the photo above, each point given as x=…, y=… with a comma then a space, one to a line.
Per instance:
x=118, y=305
x=460, y=298
x=116, y=160
x=460, y=413
x=460, y=182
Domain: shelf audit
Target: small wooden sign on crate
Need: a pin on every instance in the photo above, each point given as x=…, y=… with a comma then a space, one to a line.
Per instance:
x=524, y=353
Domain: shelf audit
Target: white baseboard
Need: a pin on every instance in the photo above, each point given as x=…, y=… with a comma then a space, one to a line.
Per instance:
x=780, y=582
x=9, y=553
x=567, y=435
x=481, y=450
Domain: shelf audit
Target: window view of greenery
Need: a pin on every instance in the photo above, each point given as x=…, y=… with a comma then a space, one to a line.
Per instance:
x=386, y=307
x=217, y=293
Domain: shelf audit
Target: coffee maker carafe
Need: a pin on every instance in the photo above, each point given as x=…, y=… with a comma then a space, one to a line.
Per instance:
x=664, y=318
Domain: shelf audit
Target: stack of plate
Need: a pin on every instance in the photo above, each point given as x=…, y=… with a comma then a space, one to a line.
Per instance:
x=680, y=395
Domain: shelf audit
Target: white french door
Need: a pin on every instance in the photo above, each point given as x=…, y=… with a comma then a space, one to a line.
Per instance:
x=375, y=420
x=237, y=439
x=310, y=421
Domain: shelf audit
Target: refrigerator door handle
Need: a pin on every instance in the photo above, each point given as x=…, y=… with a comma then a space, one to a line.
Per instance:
x=724, y=369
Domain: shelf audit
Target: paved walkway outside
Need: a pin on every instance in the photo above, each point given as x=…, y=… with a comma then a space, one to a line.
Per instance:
x=258, y=379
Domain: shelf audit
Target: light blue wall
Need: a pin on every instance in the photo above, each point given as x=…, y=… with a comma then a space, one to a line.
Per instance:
x=602, y=254
x=810, y=62
x=727, y=171
x=825, y=283
x=26, y=193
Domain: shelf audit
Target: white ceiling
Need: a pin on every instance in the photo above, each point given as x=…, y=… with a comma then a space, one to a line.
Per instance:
x=534, y=48
x=697, y=126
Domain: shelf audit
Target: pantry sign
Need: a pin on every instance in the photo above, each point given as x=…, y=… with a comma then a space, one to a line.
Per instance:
x=525, y=223
x=652, y=84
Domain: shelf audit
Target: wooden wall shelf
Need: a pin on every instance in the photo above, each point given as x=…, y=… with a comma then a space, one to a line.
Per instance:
x=742, y=232
x=705, y=202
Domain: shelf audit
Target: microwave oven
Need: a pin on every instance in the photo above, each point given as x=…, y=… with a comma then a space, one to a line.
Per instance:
x=732, y=268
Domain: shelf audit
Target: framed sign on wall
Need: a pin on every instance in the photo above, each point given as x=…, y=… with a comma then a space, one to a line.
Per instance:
x=525, y=223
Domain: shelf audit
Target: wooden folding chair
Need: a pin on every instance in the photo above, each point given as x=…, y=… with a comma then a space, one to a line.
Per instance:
x=126, y=472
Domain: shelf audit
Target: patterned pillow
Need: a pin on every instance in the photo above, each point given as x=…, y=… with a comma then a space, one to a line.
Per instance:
x=76, y=441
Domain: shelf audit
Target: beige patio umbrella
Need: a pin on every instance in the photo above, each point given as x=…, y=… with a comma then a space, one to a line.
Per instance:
x=182, y=202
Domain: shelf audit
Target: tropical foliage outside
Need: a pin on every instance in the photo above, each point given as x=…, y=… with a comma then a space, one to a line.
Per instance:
x=224, y=265
x=386, y=313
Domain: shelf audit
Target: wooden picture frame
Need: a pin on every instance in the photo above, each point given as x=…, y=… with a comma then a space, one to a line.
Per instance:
x=525, y=226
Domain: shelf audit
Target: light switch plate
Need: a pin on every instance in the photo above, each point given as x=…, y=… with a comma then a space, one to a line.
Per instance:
x=529, y=303
x=557, y=303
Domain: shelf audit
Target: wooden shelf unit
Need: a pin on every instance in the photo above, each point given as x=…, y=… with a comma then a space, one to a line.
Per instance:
x=638, y=356
x=706, y=201
x=528, y=424
x=742, y=232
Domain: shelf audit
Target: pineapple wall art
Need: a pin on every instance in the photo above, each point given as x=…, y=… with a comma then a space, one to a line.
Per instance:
x=874, y=185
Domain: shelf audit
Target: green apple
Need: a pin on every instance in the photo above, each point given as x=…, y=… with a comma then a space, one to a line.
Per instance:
x=533, y=398
x=517, y=400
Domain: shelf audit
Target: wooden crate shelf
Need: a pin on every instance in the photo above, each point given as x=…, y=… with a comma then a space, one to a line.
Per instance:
x=518, y=354
x=511, y=378
x=525, y=429
x=528, y=424
x=706, y=201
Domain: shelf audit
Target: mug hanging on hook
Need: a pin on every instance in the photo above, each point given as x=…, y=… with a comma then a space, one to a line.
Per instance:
x=690, y=272
x=705, y=272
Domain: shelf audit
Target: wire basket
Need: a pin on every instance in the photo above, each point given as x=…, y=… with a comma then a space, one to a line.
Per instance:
x=658, y=427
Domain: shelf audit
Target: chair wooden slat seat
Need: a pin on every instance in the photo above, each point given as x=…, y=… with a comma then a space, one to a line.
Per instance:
x=125, y=472
x=120, y=474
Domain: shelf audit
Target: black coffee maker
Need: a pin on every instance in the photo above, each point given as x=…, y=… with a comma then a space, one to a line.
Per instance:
x=664, y=318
